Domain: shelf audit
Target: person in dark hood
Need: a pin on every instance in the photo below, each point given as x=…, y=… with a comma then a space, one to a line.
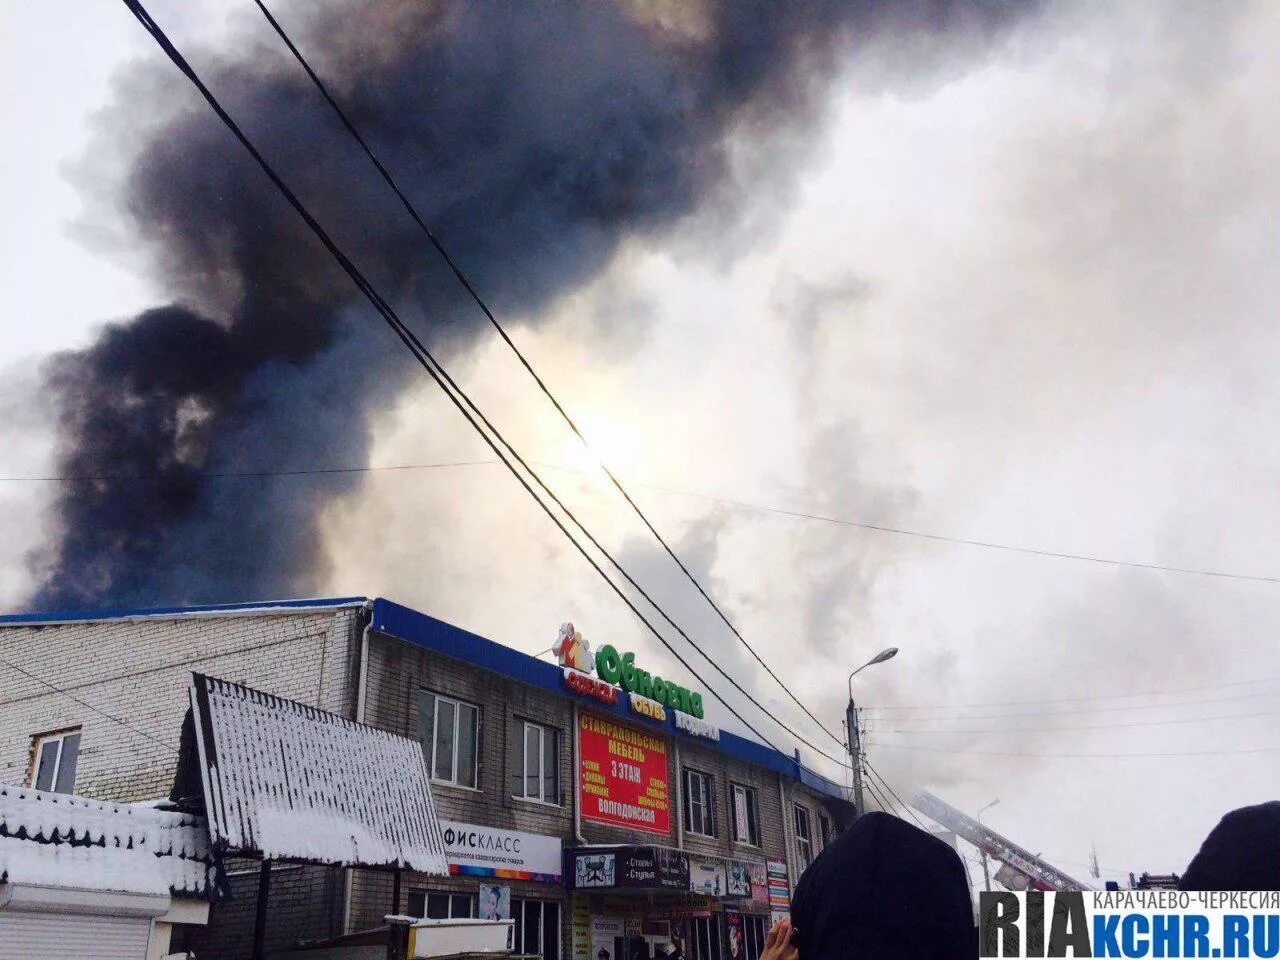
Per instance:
x=882, y=890
x=1241, y=853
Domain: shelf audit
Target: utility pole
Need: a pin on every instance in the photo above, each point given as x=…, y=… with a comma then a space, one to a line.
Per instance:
x=855, y=757
x=986, y=873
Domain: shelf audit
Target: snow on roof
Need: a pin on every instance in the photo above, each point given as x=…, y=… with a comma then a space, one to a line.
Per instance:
x=61, y=840
x=283, y=780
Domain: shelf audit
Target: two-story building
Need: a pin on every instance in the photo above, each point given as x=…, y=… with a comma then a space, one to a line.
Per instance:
x=600, y=819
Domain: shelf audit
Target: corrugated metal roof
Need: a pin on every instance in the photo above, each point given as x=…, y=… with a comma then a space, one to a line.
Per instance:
x=61, y=840
x=286, y=781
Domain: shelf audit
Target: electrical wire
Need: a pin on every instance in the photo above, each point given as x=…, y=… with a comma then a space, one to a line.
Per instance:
x=1100, y=696
x=484, y=307
x=1088, y=710
x=451, y=389
x=1078, y=756
x=87, y=705
x=885, y=783
x=1091, y=726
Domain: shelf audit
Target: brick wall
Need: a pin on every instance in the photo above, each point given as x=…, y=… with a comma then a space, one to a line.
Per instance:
x=137, y=670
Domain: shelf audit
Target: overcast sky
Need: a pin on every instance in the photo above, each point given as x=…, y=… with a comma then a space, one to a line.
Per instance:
x=1029, y=302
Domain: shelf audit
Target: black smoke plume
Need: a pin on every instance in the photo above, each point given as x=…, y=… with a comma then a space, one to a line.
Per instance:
x=534, y=138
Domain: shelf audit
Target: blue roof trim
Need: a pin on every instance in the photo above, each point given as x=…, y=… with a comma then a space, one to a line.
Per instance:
x=72, y=615
x=444, y=638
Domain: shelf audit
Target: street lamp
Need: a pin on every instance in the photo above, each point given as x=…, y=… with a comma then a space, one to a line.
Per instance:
x=851, y=719
x=986, y=875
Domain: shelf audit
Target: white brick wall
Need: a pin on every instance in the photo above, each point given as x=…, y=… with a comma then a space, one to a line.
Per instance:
x=137, y=670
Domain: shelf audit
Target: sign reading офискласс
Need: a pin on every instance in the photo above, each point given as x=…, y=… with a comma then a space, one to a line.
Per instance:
x=480, y=851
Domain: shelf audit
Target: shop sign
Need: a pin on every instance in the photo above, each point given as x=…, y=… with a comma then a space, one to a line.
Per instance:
x=697, y=909
x=580, y=928
x=707, y=877
x=477, y=851
x=739, y=879
x=695, y=727
x=779, y=891
x=637, y=868
x=649, y=708
x=619, y=669
x=622, y=776
x=589, y=686
x=759, y=882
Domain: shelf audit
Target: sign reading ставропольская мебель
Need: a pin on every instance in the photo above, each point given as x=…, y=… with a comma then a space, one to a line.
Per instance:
x=622, y=775
x=619, y=669
x=1130, y=923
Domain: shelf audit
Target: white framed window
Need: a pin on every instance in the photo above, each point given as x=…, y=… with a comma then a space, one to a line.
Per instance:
x=704, y=941
x=754, y=929
x=450, y=733
x=54, y=761
x=441, y=906
x=824, y=829
x=804, y=838
x=699, y=803
x=537, y=927
x=540, y=763
x=745, y=814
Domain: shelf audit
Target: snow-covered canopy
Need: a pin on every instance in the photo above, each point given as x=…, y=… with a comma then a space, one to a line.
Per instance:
x=283, y=780
x=60, y=840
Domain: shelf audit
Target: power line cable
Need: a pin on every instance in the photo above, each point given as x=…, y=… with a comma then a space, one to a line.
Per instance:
x=885, y=783
x=1092, y=726
x=1068, y=713
x=243, y=474
x=484, y=307
x=763, y=508
x=87, y=705
x=1078, y=756
x=876, y=795
x=451, y=389
x=1100, y=696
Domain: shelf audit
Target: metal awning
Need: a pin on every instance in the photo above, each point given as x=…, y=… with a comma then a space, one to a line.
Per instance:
x=285, y=781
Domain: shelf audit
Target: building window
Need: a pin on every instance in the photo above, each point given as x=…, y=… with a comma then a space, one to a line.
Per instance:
x=804, y=838
x=699, y=804
x=824, y=829
x=537, y=928
x=541, y=764
x=441, y=906
x=450, y=733
x=54, y=766
x=745, y=814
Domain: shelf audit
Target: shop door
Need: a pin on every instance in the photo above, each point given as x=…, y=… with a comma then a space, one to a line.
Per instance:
x=704, y=939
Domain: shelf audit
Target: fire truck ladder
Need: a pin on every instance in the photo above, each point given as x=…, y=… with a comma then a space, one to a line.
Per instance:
x=1040, y=875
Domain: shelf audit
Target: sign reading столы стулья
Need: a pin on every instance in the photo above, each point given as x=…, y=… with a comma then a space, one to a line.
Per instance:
x=1130, y=923
x=619, y=669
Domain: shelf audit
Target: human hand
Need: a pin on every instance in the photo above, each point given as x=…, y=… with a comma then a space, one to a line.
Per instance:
x=779, y=943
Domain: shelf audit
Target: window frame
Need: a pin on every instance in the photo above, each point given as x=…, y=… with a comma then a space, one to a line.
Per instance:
x=546, y=734
x=824, y=829
x=451, y=897
x=432, y=727
x=752, y=800
x=519, y=905
x=707, y=802
x=38, y=744
x=804, y=841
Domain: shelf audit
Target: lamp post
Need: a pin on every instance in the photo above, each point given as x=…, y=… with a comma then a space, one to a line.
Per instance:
x=986, y=874
x=851, y=719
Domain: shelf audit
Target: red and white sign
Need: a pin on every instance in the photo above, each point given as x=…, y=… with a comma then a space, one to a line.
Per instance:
x=622, y=776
